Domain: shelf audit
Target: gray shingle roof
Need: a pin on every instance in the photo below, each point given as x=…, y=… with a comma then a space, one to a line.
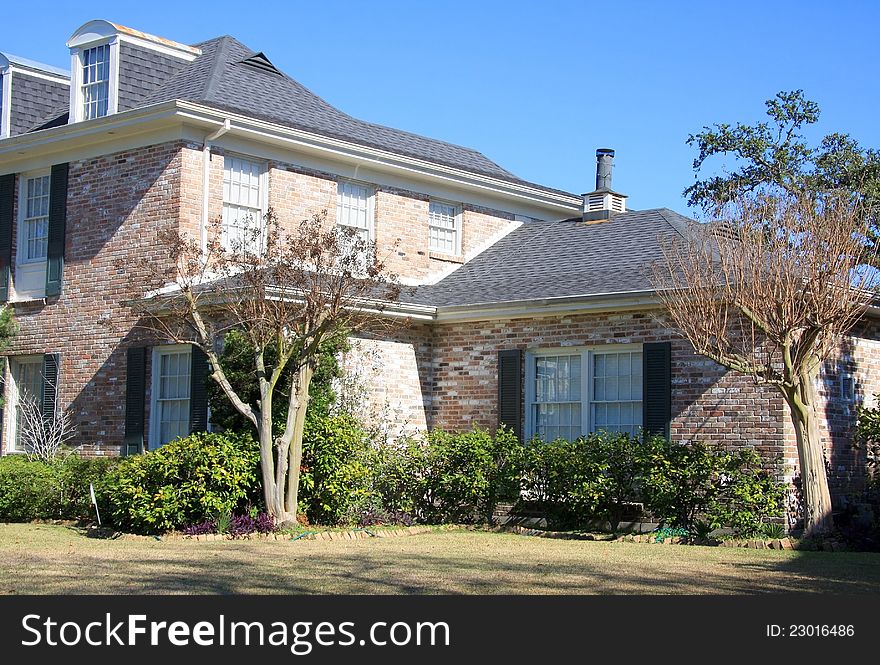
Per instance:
x=223, y=79
x=559, y=259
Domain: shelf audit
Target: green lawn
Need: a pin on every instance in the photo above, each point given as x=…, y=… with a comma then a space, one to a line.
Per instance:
x=45, y=559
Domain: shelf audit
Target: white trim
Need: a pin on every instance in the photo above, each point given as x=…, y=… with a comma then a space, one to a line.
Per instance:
x=10, y=421
x=371, y=205
x=155, y=366
x=458, y=225
x=27, y=268
x=5, y=102
x=587, y=354
x=18, y=69
x=133, y=121
x=98, y=30
x=76, y=66
x=263, y=188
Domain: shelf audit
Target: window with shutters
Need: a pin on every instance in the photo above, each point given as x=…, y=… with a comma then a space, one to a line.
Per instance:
x=572, y=392
x=444, y=228
x=33, y=236
x=26, y=384
x=170, y=414
x=244, y=204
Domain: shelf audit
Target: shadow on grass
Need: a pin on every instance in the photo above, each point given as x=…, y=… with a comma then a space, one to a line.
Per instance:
x=438, y=564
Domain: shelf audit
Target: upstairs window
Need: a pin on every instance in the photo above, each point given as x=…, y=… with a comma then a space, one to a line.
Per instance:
x=354, y=209
x=444, y=228
x=35, y=222
x=243, y=199
x=95, y=85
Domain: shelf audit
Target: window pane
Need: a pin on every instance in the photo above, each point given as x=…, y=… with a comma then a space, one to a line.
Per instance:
x=172, y=401
x=35, y=230
x=243, y=225
x=442, y=227
x=557, y=409
x=617, y=392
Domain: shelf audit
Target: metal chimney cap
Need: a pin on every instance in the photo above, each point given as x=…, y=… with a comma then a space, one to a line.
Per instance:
x=600, y=152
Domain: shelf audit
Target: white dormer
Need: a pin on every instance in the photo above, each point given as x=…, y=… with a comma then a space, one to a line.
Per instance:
x=94, y=65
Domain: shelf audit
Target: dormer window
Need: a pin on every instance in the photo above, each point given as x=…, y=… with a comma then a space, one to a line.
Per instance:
x=95, y=86
x=112, y=66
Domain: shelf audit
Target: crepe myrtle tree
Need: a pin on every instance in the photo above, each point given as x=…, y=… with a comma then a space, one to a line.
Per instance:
x=284, y=290
x=768, y=289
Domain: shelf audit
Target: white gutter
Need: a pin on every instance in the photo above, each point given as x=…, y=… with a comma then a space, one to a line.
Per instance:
x=134, y=121
x=538, y=307
x=206, y=169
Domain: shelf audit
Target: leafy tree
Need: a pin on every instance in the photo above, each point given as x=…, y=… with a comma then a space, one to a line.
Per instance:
x=775, y=154
x=289, y=294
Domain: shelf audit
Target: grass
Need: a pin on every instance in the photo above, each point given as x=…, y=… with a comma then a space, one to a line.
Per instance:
x=44, y=559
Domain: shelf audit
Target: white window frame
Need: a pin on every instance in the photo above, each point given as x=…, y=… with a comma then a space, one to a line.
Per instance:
x=371, y=215
x=587, y=354
x=76, y=79
x=263, y=166
x=156, y=365
x=10, y=419
x=30, y=274
x=457, y=228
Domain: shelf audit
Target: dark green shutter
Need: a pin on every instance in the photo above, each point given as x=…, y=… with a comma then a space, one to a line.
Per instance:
x=657, y=387
x=49, y=401
x=57, y=229
x=7, y=202
x=135, y=400
x=510, y=390
x=198, y=391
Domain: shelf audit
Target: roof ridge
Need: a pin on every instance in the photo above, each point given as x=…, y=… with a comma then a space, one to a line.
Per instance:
x=216, y=73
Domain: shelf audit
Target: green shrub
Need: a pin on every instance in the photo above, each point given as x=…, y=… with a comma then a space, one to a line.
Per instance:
x=28, y=490
x=335, y=476
x=184, y=482
x=590, y=479
x=32, y=489
x=697, y=488
x=397, y=470
x=463, y=476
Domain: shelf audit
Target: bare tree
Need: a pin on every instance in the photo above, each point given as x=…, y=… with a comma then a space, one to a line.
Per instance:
x=285, y=290
x=43, y=436
x=767, y=290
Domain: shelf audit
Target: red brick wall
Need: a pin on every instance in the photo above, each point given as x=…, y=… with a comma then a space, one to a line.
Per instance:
x=116, y=206
x=708, y=403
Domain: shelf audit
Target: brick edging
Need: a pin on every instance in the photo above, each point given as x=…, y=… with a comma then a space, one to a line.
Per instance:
x=758, y=544
x=353, y=534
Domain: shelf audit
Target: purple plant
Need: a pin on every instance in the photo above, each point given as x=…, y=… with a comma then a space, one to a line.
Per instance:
x=242, y=525
x=201, y=529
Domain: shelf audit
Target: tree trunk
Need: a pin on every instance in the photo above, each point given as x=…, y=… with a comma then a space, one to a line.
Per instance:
x=303, y=382
x=811, y=456
x=267, y=465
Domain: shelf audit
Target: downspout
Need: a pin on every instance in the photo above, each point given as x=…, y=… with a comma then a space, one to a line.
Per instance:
x=206, y=168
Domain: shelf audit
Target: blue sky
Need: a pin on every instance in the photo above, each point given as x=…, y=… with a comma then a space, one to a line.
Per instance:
x=536, y=86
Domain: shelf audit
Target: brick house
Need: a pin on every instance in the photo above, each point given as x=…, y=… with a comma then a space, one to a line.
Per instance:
x=531, y=305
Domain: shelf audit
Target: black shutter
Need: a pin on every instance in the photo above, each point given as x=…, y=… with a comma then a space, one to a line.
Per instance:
x=7, y=201
x=57, y=229
x=657, y=388
x=135, y=400
x=49, y=401
x=510, y=390
x=198, y=391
